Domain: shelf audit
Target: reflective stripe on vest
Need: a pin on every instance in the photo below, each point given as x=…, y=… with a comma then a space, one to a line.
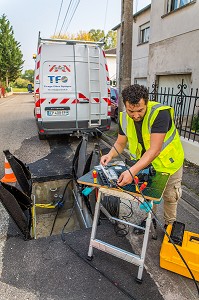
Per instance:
x=151, y=113
x=170, y=139
x=124, y=127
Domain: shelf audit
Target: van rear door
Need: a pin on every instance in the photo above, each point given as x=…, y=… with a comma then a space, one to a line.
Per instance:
x=58, y=91
x=73, y=89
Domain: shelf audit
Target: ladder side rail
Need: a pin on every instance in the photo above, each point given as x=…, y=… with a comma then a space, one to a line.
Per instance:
x=89, y=84
x=100, y=94
x=96, y=90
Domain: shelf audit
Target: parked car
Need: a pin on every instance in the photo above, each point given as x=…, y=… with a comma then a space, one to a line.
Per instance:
x=114, y=104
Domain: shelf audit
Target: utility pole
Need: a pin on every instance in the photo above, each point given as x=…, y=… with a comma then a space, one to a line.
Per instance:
x=126, y=35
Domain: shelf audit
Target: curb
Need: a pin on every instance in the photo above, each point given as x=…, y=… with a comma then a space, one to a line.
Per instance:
x=190, y=197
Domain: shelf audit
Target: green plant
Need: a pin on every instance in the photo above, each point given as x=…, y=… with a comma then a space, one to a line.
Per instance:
x=195, y=123
x=8, y=89
x=20, y=83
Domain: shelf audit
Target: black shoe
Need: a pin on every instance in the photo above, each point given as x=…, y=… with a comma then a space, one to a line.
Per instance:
x=154, y=223
x=139, y=231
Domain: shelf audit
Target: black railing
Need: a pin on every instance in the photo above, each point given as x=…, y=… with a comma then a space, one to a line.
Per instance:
x=186, y=108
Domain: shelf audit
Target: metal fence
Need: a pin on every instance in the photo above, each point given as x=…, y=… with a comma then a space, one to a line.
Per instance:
x=186, y=108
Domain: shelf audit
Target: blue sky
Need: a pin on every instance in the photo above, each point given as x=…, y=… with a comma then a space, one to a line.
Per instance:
x=30, y=17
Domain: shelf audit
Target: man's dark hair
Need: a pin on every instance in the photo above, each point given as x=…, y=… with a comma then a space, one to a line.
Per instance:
x=134, y=93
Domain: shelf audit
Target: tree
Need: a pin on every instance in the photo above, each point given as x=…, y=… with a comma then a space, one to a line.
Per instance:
x=94, y=35
x=111, y=40
x=11, y=58
x=28, y=75
x=20, y=83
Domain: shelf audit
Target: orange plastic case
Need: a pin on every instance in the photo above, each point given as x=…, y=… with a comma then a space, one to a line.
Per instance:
x=170, y=259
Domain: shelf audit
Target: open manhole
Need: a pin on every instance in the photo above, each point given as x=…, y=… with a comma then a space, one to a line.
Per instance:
x=43, y=208
x=54, y=208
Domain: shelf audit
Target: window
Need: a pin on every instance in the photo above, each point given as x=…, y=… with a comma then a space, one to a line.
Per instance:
x=144, y=33
x=175, y=4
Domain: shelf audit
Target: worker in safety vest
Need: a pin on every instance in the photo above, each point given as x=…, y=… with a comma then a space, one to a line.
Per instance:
x=152, y=138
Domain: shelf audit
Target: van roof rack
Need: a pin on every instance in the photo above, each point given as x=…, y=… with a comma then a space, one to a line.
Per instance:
x=69, y=42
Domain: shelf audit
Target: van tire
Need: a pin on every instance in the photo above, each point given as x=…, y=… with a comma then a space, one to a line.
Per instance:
x=42, y=137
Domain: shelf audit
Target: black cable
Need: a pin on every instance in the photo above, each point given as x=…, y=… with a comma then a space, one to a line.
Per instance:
x=88, y=262
x=58, y=16
x=65, y=17
x=122, y=230
x=162, y=227
x=73, y=208
x=54, y=222
x=59, y=207
x=72, y=15
x=159, y=223
x=85, y=260
x=130, y=208
x=95, y=268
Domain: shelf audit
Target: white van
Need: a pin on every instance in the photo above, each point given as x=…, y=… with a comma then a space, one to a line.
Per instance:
x=71, y=87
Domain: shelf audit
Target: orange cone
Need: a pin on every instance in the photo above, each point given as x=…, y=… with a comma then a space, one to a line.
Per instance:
x=9, y=175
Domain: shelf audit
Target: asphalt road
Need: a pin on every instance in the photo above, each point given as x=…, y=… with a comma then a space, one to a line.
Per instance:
x=19, y=131
x=18, y=134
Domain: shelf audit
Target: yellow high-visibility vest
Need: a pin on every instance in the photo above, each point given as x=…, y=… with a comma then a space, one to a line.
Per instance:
x=171, y=156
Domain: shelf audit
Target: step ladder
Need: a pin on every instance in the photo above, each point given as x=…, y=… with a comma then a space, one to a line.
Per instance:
x=94, y=87
x=130, y=257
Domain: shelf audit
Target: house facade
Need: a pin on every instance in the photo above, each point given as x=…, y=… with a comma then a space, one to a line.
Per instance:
x=140, y=50
x=165, y=45
x=174, y=43
x=165, y=51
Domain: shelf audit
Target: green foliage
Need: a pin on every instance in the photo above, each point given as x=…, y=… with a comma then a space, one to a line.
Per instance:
x=19, y=90
x=96, y=34
x=8, y=89
x=110, y=39
x=21, y=83
x=11, y=58
x=195, y=123
x=28, y=75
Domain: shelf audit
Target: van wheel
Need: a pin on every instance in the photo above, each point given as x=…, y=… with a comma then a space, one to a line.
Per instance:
x=42, y=137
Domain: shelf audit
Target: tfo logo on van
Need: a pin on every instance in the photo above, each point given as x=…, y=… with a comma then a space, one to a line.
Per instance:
x=57, y=79
x=56, y=68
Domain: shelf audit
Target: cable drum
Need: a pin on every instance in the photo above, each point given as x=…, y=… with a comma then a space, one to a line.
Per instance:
x=112, y=205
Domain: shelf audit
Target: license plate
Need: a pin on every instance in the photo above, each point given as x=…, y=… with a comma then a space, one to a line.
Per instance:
x=57, y=112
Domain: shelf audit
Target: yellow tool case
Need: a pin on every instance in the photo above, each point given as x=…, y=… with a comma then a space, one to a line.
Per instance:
x=170, y=259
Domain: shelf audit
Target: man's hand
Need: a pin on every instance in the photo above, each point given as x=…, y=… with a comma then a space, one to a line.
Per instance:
x=115, y=150
x=125, y=178
x=105, y=159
